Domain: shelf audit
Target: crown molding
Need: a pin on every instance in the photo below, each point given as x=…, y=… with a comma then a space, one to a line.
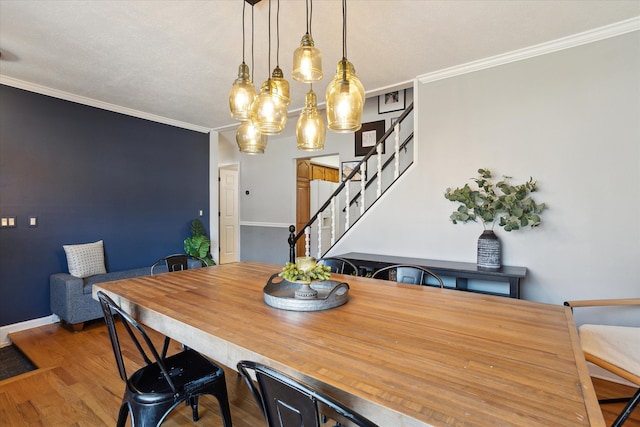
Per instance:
x=597, y=34
x=43, y=90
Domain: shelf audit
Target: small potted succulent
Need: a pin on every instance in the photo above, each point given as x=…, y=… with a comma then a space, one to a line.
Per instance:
x=304, y=271
x=509, y=206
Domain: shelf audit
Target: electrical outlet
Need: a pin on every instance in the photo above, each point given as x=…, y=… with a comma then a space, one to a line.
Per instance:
x=8, y=222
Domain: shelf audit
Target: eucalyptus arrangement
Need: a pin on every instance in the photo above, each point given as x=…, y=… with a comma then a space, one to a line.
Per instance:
x=294, y=272
x=509, y=206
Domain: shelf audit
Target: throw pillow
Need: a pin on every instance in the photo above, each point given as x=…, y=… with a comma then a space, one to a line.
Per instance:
x=85, y=260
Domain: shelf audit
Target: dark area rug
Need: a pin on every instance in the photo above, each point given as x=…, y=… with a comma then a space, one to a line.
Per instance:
x=13, y=362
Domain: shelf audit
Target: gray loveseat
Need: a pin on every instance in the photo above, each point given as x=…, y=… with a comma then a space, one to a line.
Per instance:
x=71, y=296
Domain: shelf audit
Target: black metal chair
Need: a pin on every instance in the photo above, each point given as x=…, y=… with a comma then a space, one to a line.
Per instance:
x=339, y=265
x=176, y=262
x=407, y=274
x=154, y=390
x=286, y=402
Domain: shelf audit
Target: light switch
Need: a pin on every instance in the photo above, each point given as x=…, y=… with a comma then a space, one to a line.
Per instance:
x=4, y=222
x=33, y=221
x=12, y=221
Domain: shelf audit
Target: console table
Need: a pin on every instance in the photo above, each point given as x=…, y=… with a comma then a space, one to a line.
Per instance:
x=461, y=271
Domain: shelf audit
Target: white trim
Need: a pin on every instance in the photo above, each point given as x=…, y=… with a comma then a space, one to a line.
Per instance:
x=43, y=90
x=579, y=39
x=16, y=327
x=264, y=224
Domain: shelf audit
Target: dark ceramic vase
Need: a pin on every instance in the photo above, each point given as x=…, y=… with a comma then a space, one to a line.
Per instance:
x=489, y=251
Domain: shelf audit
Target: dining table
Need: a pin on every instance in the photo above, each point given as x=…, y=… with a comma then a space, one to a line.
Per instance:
x=400, y=354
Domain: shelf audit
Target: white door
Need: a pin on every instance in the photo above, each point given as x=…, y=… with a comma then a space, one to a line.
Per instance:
x=229, y=224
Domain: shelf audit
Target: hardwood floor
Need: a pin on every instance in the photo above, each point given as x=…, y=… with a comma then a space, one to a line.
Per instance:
x=77, y=384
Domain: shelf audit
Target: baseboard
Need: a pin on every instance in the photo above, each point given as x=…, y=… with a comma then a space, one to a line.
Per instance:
x=34, y=323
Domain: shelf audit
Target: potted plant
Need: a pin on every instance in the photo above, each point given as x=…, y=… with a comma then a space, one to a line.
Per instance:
x=304, y=271
x=199, y=245
x=509, y=206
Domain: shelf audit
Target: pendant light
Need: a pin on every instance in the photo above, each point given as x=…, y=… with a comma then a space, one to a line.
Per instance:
x=282, y=86
x=248, y=138
x=307, y=59
x=242, y=93
x=269, y=110
x=310, y=129
x=345, y=93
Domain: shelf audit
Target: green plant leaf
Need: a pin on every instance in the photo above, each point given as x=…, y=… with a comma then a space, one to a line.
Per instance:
x=509, y=206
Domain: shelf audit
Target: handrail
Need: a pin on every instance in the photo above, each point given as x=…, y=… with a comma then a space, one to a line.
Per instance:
x=386, y=163
x=293, y=237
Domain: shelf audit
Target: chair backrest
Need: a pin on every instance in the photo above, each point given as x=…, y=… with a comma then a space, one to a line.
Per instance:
x=176, y=262
x=413, y=274
x=339, y=265
x=138, y=336
x=286, y=402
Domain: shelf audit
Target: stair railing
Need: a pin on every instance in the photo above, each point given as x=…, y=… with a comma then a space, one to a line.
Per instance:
x=358, y=199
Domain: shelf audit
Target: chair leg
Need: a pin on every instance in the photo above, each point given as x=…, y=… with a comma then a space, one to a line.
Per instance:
x=122, y=415
x=223, y=402
x=193, y=402
x=627, y=410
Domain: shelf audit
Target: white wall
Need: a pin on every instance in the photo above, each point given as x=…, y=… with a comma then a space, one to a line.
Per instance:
x=270, y=178
x=570, y=119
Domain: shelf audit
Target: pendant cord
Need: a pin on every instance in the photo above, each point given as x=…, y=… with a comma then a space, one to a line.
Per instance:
x=252, y=41
x=243, y=42
x=310, y=16
x=344, y=29
x=269, y=50
x=277, y=35
x=308, y=19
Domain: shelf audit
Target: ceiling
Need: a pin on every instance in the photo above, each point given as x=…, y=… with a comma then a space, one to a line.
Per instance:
x=176, y=60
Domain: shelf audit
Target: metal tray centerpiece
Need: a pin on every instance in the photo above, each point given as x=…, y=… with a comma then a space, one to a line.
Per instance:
x=305, y=286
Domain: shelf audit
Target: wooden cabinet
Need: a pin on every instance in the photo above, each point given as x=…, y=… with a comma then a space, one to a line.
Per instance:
x=324, y=173
x=331, y=174
x=305, y=172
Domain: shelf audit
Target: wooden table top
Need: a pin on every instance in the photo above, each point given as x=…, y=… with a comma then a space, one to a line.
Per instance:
x=403, y=355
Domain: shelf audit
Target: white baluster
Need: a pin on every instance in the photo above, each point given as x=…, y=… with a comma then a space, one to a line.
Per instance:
x=363, y=175
x=319, y=219
x=333, y=220
x=346, y=217
x=307, y=241
x=379, y=189
x=396, y=172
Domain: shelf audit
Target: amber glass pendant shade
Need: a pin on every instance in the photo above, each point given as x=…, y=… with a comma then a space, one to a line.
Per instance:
x=249, y=140
x=307, y=61
x=282, y=86
x=345, y=99
x=242, y=94
x=310, y=129
x=269, y=110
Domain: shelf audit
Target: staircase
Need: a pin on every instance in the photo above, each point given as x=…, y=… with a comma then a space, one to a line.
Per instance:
x=391, y=156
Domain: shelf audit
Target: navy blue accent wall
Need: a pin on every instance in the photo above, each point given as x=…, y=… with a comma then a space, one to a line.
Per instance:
x=89, y=174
